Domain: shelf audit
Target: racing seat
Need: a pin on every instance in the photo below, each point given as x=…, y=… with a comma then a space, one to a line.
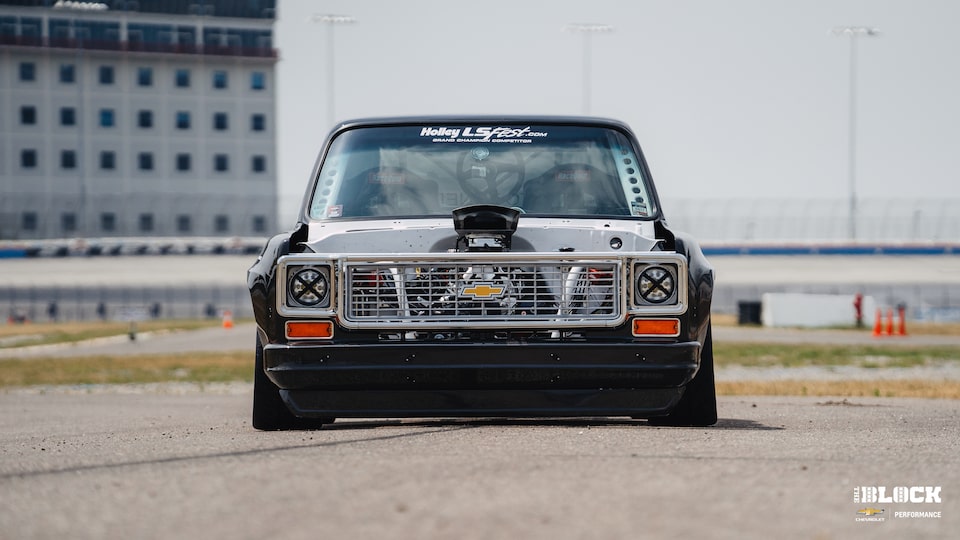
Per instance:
x=570, y=189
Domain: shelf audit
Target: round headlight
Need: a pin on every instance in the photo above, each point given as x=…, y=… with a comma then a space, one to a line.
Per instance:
x=308, y=287
x=655, y=284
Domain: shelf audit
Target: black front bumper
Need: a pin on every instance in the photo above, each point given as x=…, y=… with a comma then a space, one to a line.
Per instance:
x=481, y=379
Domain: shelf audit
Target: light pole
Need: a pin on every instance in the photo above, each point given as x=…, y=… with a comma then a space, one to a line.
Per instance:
x=331, y=21
x=587, y=31
x=854, y=33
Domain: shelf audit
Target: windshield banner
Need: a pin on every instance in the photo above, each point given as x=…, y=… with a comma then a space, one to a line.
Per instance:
x=483, y=134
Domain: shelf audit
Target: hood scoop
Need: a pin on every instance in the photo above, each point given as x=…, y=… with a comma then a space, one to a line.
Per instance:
x=485, y=227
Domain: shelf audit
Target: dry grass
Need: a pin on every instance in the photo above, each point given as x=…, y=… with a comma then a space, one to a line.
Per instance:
x=196, y=367
x=934, y=389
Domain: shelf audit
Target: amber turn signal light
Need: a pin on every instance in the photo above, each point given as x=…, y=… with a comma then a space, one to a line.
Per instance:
x=309, y=329
x=656, y=327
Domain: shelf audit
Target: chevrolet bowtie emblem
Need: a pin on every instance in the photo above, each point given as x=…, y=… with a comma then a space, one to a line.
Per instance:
x=482, y=291
x=870, y=511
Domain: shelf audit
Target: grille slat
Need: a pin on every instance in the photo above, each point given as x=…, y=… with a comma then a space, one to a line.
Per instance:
x=479, y=293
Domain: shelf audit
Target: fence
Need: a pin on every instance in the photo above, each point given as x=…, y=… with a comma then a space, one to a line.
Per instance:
x=815, y=220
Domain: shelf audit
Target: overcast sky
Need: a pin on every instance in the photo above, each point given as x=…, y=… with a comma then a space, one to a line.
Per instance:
x=729, y=98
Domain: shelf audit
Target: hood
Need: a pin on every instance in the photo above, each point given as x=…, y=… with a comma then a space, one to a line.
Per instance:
x=439, y=236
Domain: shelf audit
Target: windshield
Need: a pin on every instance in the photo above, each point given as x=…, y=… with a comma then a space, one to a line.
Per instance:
x=429, y=170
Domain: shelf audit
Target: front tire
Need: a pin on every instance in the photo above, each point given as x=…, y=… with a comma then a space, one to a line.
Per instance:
x=270, y=413
x=698, y=405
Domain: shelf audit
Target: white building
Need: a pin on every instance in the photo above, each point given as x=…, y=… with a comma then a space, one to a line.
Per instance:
x=146, y=118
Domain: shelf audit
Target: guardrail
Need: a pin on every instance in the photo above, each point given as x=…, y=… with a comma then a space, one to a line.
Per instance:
x=187, y=301
x=831, y=249
x=81, y=247
x=252, y=246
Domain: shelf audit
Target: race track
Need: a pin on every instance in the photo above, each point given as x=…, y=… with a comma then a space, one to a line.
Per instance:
x=181, y=461
x=177, y=462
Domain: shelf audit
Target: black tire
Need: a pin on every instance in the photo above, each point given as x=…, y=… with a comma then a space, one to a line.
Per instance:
x=270, y=413
x=698, y=405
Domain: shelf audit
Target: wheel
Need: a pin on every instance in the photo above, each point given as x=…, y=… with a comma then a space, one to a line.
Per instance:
x=269, y=411
x=698, y=405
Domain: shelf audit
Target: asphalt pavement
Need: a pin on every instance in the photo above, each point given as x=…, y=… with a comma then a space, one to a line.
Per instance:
x=111, y=463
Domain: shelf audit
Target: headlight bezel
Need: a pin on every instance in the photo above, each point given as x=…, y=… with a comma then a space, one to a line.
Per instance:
x=291, y=299
x=308, y=286
x=656, y=284
x=659, y=284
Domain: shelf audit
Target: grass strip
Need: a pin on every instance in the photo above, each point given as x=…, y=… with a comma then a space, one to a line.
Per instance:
x=197, y=367
x=899, y=388
x=797, y=355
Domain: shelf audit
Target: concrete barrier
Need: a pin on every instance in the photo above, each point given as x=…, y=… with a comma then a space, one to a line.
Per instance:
x=814, y=310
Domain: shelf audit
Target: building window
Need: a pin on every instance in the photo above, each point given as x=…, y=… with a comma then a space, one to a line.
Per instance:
x=258, y=80
x=68, y=159
x=28, y=158
x=145, y=119
x=106, y=118
x=28, y=115
x=221, y=223
x=182, y=78
x=258, y=164
x=68, y=116
x=221, y=163
x=145, y=76
x=28, y=221
x=146, y=223
x=258, y=122
x=108, y=160
x=183, y=162
x=145, y=161
x=184, y=224
x=259, y=224
x=68, y=222
x=108, y=222
x=183, y=120
x=28, y=71
x=68, y=73
x=220, y=79
x=220, y=121
x=106, y=74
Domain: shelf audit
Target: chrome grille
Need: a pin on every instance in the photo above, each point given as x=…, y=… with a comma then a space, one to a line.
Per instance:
x=482, y=291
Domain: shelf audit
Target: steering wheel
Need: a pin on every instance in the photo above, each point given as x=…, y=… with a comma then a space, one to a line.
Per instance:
x=490, y=177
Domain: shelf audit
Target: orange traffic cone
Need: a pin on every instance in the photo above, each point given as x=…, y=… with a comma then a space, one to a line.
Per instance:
x=878, y=324
x=902, y=328
x=227, y=318
x=889, y=330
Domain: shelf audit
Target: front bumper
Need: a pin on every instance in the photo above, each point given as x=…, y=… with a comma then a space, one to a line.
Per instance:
x=481, y=379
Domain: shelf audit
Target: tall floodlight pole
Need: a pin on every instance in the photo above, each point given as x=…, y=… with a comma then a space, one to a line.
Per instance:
x=587, y=31
x=331, y=21
x=854, y=33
